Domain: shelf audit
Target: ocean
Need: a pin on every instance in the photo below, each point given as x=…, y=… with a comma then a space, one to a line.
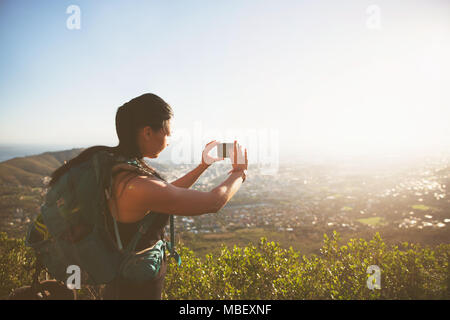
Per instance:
x=9, y=151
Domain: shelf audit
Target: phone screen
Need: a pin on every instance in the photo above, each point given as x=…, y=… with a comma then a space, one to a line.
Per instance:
x=224, y=150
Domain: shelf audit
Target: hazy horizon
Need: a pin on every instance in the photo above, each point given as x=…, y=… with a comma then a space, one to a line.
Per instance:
x=10, y=151
x=353, y=80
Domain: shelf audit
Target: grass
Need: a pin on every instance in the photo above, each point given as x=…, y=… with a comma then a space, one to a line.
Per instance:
x=424, y=208
x=211, y=243
x=372, y=221
x=421, y=207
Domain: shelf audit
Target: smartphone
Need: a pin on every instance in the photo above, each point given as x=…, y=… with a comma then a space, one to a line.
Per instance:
x=224, y=150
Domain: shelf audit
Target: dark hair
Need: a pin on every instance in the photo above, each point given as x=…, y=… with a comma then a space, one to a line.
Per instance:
x=145, y=110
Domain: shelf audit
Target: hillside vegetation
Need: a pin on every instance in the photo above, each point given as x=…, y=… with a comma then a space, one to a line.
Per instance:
x=267, y=271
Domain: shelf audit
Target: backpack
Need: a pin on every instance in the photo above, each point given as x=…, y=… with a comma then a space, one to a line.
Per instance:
x=71, y=229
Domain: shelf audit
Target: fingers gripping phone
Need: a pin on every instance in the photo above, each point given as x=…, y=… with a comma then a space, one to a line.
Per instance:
x=224, y=150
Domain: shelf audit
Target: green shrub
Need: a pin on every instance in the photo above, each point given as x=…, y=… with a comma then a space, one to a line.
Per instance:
x=339, y=272
x=15, y=262
x=267, y=271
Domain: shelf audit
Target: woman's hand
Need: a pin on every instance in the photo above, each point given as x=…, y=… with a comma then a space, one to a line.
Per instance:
x=239, y=159
x=207, y=160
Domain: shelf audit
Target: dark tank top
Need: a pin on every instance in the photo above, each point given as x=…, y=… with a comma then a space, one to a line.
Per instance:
x=128, y=230
x=150, y=290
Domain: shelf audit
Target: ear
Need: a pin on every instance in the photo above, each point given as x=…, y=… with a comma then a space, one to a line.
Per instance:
x=148, y=132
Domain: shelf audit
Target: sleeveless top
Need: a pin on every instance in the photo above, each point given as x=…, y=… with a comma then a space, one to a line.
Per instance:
x=151, y=289
x=128, y=230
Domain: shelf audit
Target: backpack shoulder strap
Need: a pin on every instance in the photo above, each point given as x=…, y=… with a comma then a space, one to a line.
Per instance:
x=109, y=195
x=132, y=166
x=135, y=166
x=118, y=166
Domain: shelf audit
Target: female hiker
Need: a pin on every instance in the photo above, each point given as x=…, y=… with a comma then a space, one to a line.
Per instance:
x=143, y=125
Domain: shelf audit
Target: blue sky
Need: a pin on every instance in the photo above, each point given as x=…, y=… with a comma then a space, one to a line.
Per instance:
x=311, y=70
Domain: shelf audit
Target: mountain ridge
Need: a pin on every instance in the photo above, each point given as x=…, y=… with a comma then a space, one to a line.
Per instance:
x=30, y=170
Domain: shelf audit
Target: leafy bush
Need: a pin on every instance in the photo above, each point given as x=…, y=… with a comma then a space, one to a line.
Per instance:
x=16, y=261
x=267, y=271
x=339, y=272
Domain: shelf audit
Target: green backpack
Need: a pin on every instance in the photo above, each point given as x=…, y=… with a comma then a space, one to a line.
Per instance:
x=72, y=228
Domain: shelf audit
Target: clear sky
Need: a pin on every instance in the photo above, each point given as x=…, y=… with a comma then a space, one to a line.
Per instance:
x=354, y=77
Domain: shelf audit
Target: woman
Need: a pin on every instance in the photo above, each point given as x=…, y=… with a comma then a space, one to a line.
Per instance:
x=143, y=125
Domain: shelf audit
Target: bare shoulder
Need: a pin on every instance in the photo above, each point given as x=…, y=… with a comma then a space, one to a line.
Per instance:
x=130, y=182
x=138, y=194
x=132, y=190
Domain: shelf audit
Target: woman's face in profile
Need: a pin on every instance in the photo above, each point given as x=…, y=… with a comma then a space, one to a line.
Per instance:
x=166, y=134
x=157, y=141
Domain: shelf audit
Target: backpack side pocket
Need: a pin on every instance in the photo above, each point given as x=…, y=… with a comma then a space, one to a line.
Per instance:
x=145, y=265
x=49, y=253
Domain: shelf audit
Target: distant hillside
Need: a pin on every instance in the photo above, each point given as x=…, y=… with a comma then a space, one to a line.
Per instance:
x=30, y=170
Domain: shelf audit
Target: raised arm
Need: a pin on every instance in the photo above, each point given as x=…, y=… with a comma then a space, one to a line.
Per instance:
x=143, y=194
x=191, y=177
